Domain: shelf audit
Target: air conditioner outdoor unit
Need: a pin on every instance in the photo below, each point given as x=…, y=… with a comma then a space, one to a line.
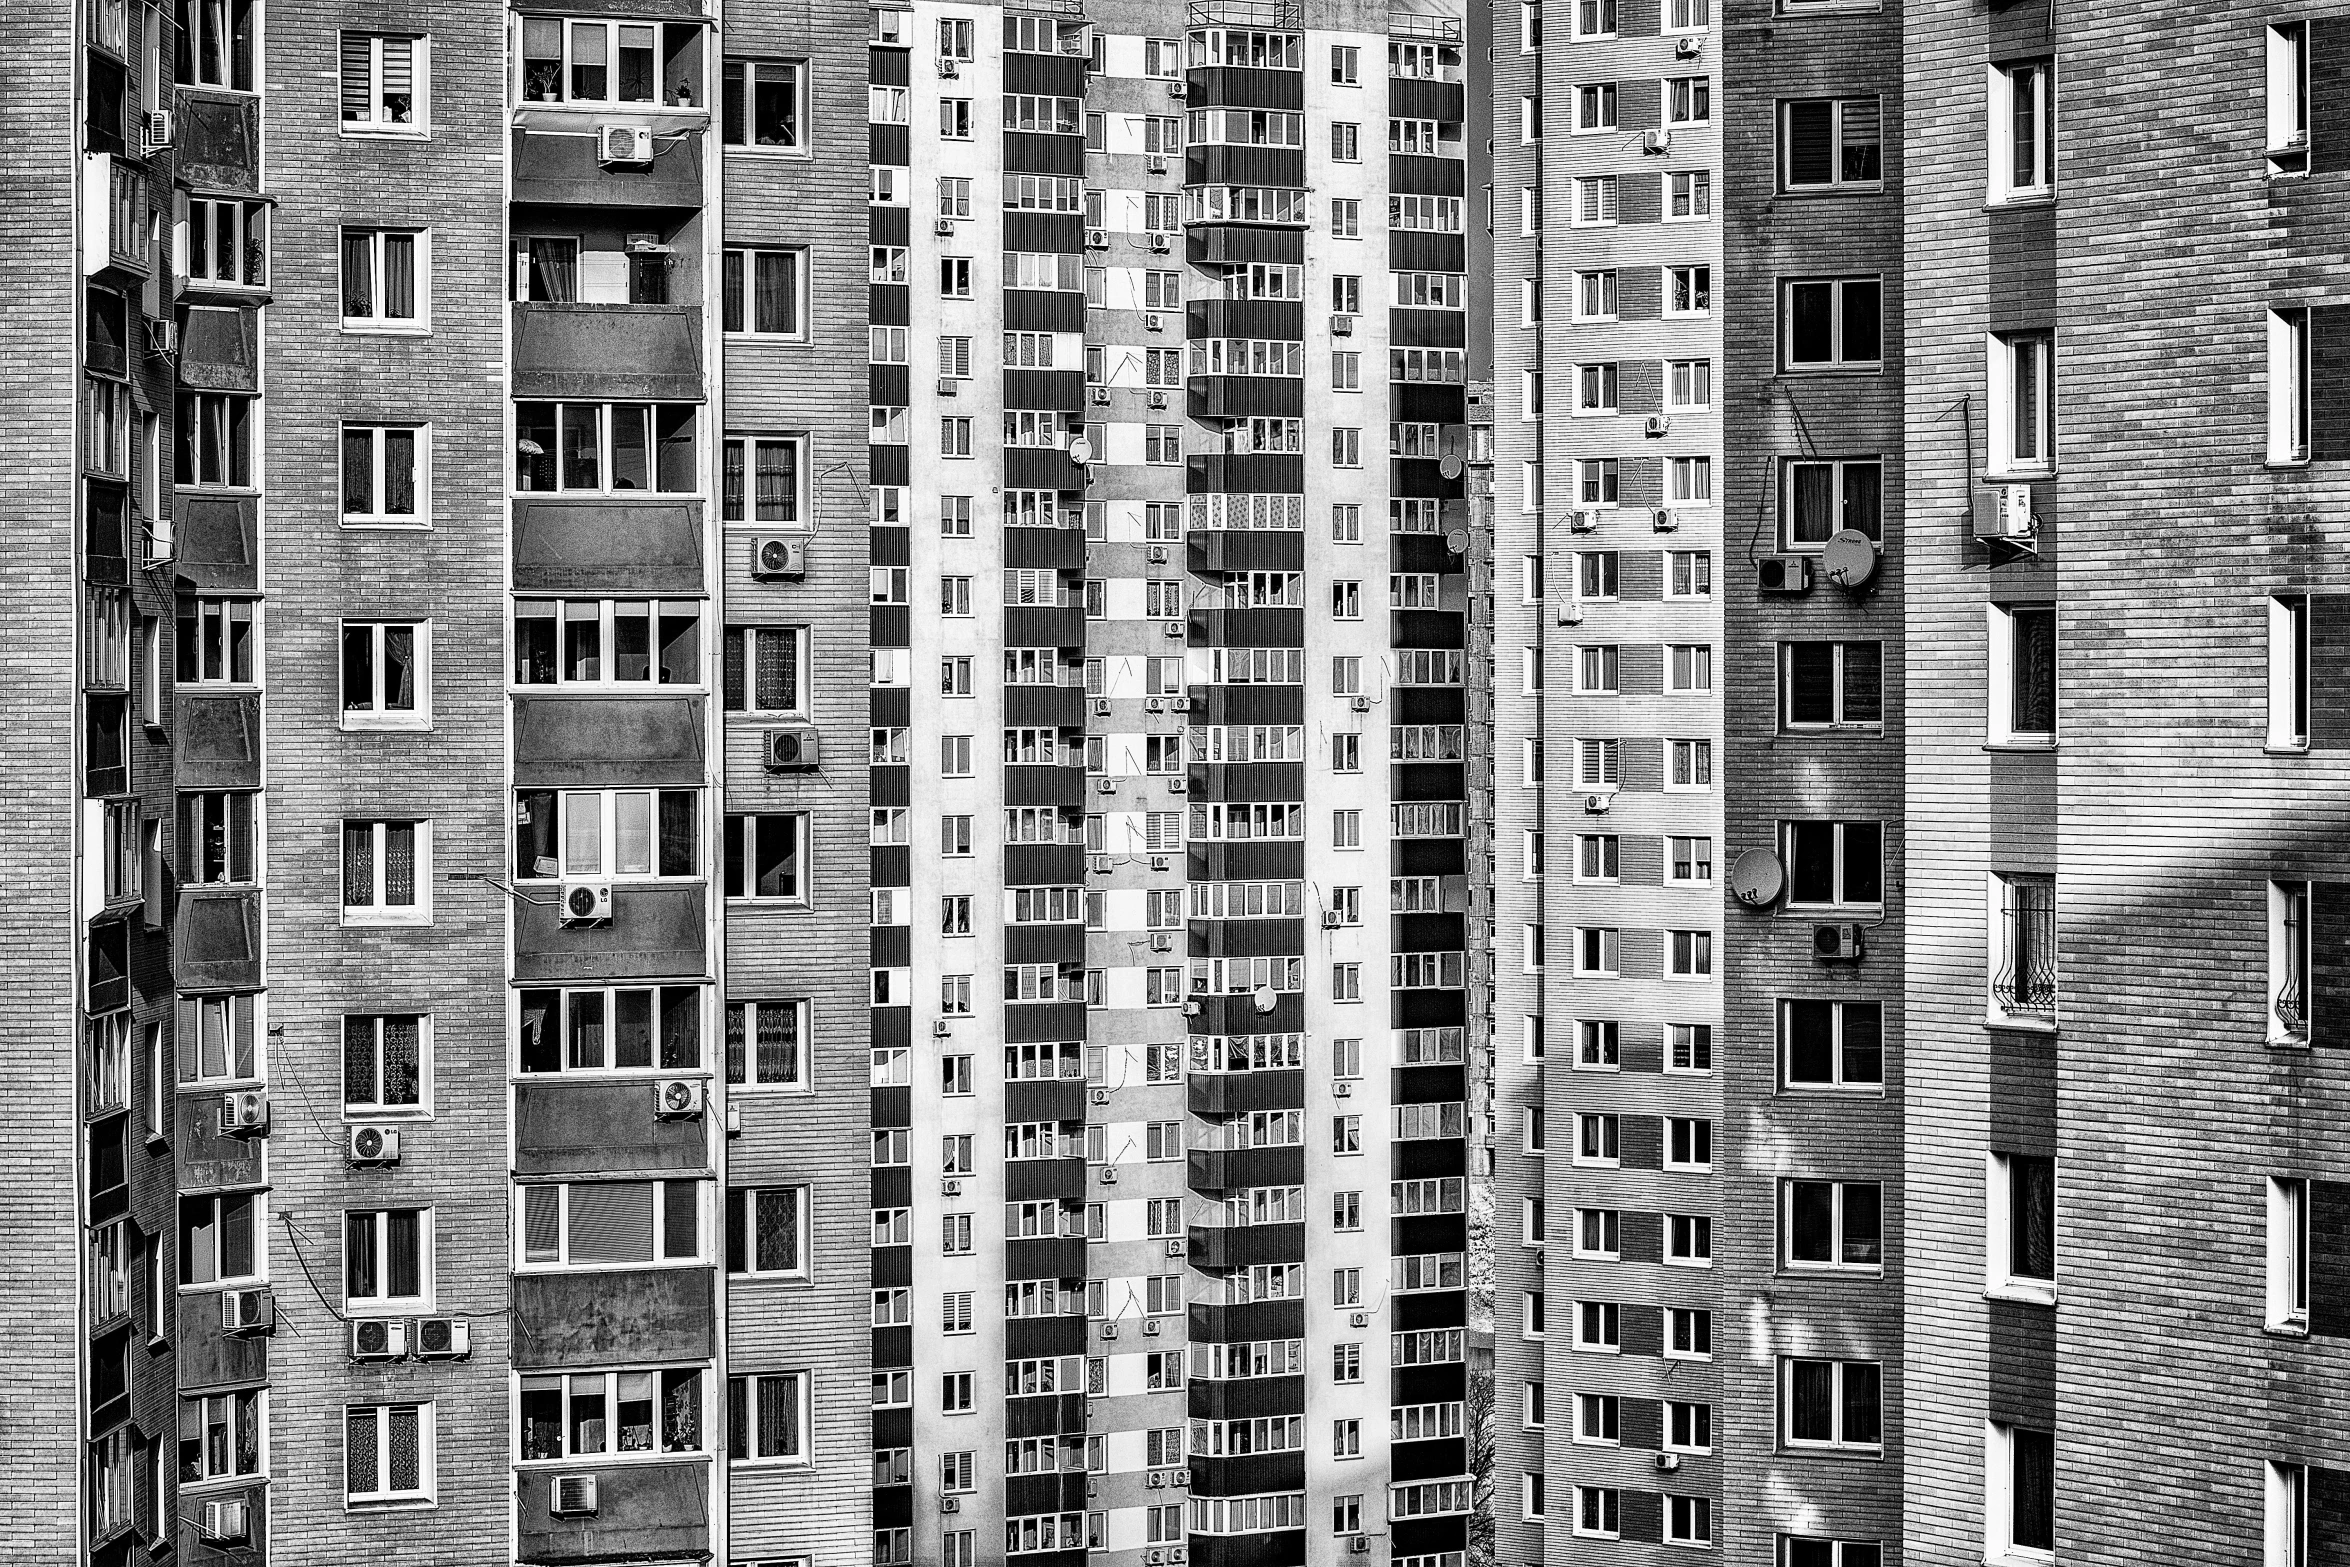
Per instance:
x=1152, y=321
x=575, y=1496
x=1101, y=707
x=1178, y=786
x=378, y=1338
x=1585, y=520
x=1360, y=1319
x=1182, y=1477
x=155, y=130
x=1162, y=243
x=1361, y=704
x=1659, y=424
x=624, y=145
x=443, y=1338
x=1157, y=1481
x=225, y=1522
x=1109, y=1329
x=1175, y=630
x=1668, y=1463
x=1097, y=239
x=1181, y=704
x=950, y=1188
x=1359, y=1545
x=244, y=1112
x=950, y=1504
x=1342, y=1090
x=1162, y=942
x=1106, y=785
x=1784, y=574
x=163, y=338
x=944, y=226
x=1191, y=1009
x=940, y=1028
x=1342, y=326
x=1101, y=1096
x=1597, y=804
x=1330, y=919
x=1837, y=943
x=948, y=386
x=1101, y=394
x=1109, y=1175
x=1570, y=612
x=2004, y=513
x=1158, y=555
x=587, y=903
x=1175, y=89
x=791, y=750
x=1689, y=48
x=775, y=559
x=1664, y=520
x=1154, y=704
x=248, y=1313
x=1100, y=865
x=948, y=65
x=1154, y=1558
x=1158, y=399
x=679, y=1098
x=1155, y=164
x=374, y=1145
x=1659, y=140
x=1150, y=1327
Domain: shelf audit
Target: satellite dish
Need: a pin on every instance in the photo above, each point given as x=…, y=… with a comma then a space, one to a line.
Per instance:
x=1264, y=998
x=1451, y=465
x=1757, y=878
x=1457, y=540
x=1850, y=559
x=1080, y=449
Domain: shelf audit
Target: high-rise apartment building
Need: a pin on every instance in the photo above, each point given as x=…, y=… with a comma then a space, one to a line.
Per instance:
x=495, y=1141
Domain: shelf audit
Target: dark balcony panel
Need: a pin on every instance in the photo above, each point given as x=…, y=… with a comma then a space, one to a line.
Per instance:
x=1042, y=310
x=1425, y=552
x=1249, y=1398
x=1242, y=396
x=1035, y=152
x=213, y=542
x=889, y=67
x=1040, y=468
x=1046, y=707
x=563, y=171
x=1435, y=1309
x=1275, y=318
x=1045, y=1099
x=1046, y=784
x=1427, y=781
x=1430, y=857
x=892, y=1186
x=655, y=932
x=1239, y=1014
x=1282, y=860
x=1420, y=98
x=893, y=1506
x=220, y=349
x=252, y=1551
x=106, y=533
x=1035, y=1180
x=1431, y=402
x=1053, y=75
x=1244, y=87
x=1218, y=1247
x=1042, y=864
x=1220, y=165
x=219, y=741
x=209, y=1162
x=1267, y=473
x=204, y=1358
x=2022, y=267
x=1420, y=476
x=563, y=742
x=890, y=865
x=1044, y=944
x=1036, y=1023
x=1418, y=1234
x=889, y=625
x=889, y=304
x=607, y=546
x=1441, y=1536
x=1428, y=704
x=216, y=941
x=890, y=145
x=1249, y=1475
x=1439, y=1384
x=892, y=1347
x=892, y=946
x=1220, y=550
x=889, y=225
x=889, y=465
x=219, y=142
x=624, y=1316
x=1036, y=627
x=1063, y=390
x=1242, y=1324
x=1430, y=628
x=890, y=785
x=1249, y=704
x=1249, y=627
x=632, y=352
x=1025, y=1495
x=1431, y=933
x=1445, y=402
x=583, y=1127
x=890, y=547
x=1411, y=174
x=1223, y=244
x=1417, y=252
x=1246, y=938
x=643, y=1512
x=892, y=1266
x=1251, y=1550
x=1418, y=1085
x=1429, y=1008
x=1219, y=1095
x=1248, y=781
x=1044, y=231
x=890, y=386
x=106, y=744
x=1046, y=1414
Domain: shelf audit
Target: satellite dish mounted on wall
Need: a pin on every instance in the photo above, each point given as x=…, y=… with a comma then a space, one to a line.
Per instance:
x=1757, y=878
x=1451, y=466
x=1850, y=559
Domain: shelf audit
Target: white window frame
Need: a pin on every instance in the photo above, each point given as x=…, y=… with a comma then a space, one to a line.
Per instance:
x=750, y=254
x=803, y=1436
x=378, y=912
x=2290, y=906
x=2040, y=183
x=427, y=1250
x=2290, y=328
x=2284, y=1514
x=2006, y=351
x=420, y=481
x=1999, y=1547
x=420, y=324
x=419, y=121
x=1840, y=1442
x=2286, y=1299
x=377, y=717
x=2288, y=672
x=2287, y=99
x=562, y=1261
x=2000, y=1281
x=1999, y=680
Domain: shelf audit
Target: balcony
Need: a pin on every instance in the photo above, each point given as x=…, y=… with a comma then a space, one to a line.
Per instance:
x=563, y=170
x=657, y=930
x=607, y=544
x=642, y=1511
x=613, y=1316
x=627, y=353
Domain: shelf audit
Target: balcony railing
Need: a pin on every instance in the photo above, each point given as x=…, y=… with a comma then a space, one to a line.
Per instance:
x=2292, y=1004
x=2026, y=983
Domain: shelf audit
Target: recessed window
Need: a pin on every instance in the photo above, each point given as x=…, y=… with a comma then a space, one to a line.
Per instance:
x=2288, y=672
x=384, y=475
x=2288, y=384
x=765, y=857
x=767, y=1231
x=2288, y=100
x=2289, y=975
x=765, y=293
x=767, y=1044
x=766, y=105
x=388, y=1453
x=216, y=44
x=1834, y=1403
x=220, y=1239
x=1808, y=1551
x=1835, y=865
x=1822, y=499
x=2023, y=126
x=2023, y=948
x=592, y=1029
x=1689, y=196
x=1689, y=291
x=1833, y=324
x=2019, y=1479
x=2023, y=402
x=387, y=872
x=767, y=1418
x=1835, y=1225
x=1832, y=1044
x=1596, y=1140
x=386, y=285
x=2285, y=1521
x=387, y=1260
x=2020, y=1208
x=386, y=681
x=583, y=834
x=383, y=83
x=384, y=1060
x=1689, y=1240
x=1834, y=685
x=1831, y=143
x=2022, y=675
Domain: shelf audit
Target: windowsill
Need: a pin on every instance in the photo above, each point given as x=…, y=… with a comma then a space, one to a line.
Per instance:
x=739, y=149
x=2019, y=1024
x=387, y=524
x=1822, y=192
x=599, y=1460
x=2286, y=464
x=2018, y=476
x=387, y=132
x=2020, y=744
x=2017, y=1556
x=351, y=328
x=1876, y=367
x=2288, y=1041
x=1833, y=913
x=356, y=725
x=2031, y=1292
x=2300, y=748
x=390, y=1504
x=2034, y=198
x=2291, y=1330
x=374, y=921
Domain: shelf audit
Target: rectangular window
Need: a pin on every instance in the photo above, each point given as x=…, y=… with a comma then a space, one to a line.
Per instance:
x=2019, y=1485
x=2023, y=123
x=1689, y=383
x=384, y=1063
x=606, y=448
x=2285, y=1522
x=582, y=834
x=1689, y=100
x=2288, y=385
x=1830, y=144
x=220, y=1239
x=225, y=242
x=1689, y=765
x=2288, y=1255
x=216, y=39
x=215, y=441
x=764, y=293
x=1832, y=1044
x=608, y=1224
x=2022, y=676
x=1832, y=324
x=2289, y=973
x=2020, y=1208
x=387, y=1260
x=384, y=475
x=586, y=1414
x=1835, y=865
x=1833, y=685
x=2023, y=948
x=386, y=676
x=1821, y=499
x=2288, y=99
x=2023, y=402
x=387, y=1453
x=767, y=1044
x=386, y=281
x=765, y=103
x=767, y=1418
x=383, y=82
x=1833, y=1403
x=1595, y=201
x=1689, y=196
x=1689, y=291
x=1834, y=1225
x=767, y=1231
x=387, y=872
x=766, y=857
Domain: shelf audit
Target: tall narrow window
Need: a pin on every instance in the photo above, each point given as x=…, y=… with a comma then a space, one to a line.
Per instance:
x=2288, y=962
x=2286, y=1524
x=2023, y=397
x=2023, y=984
x=2021, y=1206
x=2288, y=385
x=2023, y=120
x=2288, y=672
x=2022, y=676
x=2019, y=1479
x=2288, y=98
x=2288, y=1255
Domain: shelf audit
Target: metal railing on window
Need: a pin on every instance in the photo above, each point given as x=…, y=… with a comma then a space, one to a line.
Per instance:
x=2292, y=1004
x=2026, y=983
